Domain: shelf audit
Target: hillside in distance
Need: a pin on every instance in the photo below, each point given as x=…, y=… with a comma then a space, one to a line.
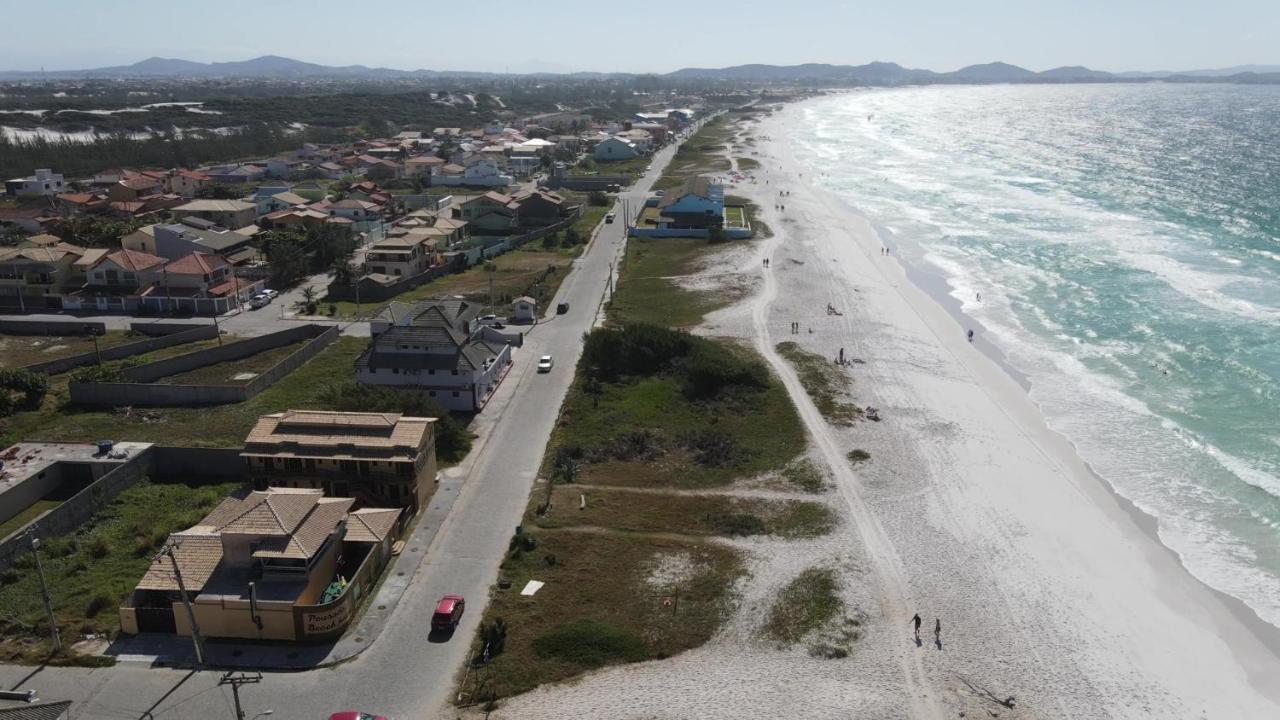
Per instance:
x=275, y=67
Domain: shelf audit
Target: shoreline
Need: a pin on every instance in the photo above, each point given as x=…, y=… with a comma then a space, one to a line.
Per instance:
x=938, y=289
x=929, y=294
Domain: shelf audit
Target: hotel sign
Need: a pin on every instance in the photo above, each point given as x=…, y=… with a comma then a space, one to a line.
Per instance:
x=326, y=620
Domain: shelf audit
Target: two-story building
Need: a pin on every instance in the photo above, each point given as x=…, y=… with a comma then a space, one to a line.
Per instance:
x=198, y=283
x=383, y=459
x=115, y=281
x=438, y=348
x=276, y=564
x=403, y=253
x=699, y=204
x=45, y=183
x=193, y=234
x=233, y=214
x=614, y=149
x=491, y=213
x=34, y=276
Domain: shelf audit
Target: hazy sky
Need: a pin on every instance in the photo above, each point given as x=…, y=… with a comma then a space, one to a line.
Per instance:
x=647, y=36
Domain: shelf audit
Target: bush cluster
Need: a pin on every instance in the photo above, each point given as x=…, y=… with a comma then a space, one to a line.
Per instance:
x=21, y=389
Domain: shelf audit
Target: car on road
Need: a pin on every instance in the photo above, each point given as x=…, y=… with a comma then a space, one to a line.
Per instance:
x=545, y=363
x=355, y=715
x=273, y=294
x=448, y=613
x=608, y=219
x=659, y=193
x=260, y=300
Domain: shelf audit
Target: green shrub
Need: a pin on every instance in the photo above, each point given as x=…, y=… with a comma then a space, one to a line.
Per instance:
x=99, y=547
x=712, y=369
x=99, y=374
x=857, y=456
x=714, y=448
x=738, y=524
x=591, y=643
x=100, y=602
x=21, y=389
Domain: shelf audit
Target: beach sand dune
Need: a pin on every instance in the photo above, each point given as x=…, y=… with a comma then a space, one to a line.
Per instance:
x=1050, y=589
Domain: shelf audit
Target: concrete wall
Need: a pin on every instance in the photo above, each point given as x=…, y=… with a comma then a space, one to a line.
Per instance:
x=168, y=461
x=49, y=327
x=194, y=333
x=141, y=392
x=76, y=510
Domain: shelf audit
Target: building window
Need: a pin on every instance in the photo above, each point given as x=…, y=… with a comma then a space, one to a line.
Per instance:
x=310, y=464
x=455, y=393
x=293, y=463
x=347, y=466
x=268, y=464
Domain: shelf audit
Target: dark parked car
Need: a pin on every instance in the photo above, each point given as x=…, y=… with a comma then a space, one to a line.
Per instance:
x=562, y=308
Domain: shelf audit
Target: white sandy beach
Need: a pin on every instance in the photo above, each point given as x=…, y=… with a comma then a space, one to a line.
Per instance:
x=971, y=510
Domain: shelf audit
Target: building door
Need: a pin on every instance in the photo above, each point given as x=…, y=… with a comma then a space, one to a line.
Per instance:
x=158, y=620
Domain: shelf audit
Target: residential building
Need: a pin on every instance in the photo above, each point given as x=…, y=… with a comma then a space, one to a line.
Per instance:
x=438, y=348
x=355, y=210
x=422, y=166
x=198, y=283
x=74, y=204
x=613, y=149
x=403, y=254
x=192, y=234
x=27, y=219
x=490, y=213
x=188, y=183
x=236, y=174
x=45, y=183
x=378, y=458
x=699, y=204
x=114, y=282
x=135, y=187
x=539, y=208
x=232, y=214
x=34, y=276
x=479, y=171
x=275, y=564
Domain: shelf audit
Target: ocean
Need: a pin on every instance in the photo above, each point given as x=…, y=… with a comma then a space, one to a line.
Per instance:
x=1125, y=244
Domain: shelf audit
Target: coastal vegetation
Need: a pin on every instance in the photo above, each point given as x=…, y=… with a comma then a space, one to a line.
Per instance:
x=807, y=603
x=823, y=381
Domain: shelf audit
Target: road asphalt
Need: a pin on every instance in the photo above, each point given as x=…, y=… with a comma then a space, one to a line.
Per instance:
x=406, y=672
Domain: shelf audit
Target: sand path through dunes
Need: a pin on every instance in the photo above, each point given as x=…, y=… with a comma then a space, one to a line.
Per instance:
x=895, y=597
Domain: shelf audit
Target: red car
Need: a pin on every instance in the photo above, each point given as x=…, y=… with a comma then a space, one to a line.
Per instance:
x=448, y=613
x=353, y=715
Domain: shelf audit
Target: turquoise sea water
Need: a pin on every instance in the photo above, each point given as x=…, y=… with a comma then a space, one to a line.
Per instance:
x=1125, y=241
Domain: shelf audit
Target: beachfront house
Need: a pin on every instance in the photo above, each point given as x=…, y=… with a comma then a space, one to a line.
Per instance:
x=438, y=348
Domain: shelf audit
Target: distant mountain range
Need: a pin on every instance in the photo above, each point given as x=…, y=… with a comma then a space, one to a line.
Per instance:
x=876, y=73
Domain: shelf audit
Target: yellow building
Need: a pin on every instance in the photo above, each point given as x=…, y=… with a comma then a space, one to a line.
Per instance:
x=280, y=564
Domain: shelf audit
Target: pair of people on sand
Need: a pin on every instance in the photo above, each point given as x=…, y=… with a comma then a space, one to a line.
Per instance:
x=937, y=627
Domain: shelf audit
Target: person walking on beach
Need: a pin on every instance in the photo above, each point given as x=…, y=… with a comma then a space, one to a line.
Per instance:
x=937, y=630
x=916, y=620
x=970, y=336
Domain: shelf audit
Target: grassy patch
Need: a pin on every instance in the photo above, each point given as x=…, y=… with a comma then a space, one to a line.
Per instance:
x=648, y=512
x=806, y=475
x=219, y=426
x=806, y=604
x=649, y=289
x=856, y=456
x=91, y=571
x=748, y=164
x=19, y=350
x=763, y=424
x=37, y=509
x=224, y=373
x=823, y=382
x=605, y=602
x=734, y=217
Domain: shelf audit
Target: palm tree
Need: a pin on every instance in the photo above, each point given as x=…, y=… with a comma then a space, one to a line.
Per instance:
x=309, y=302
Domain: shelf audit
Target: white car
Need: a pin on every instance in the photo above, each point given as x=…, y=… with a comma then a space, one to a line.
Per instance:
x=545, y=364
x=273, y=294
x=260, y=300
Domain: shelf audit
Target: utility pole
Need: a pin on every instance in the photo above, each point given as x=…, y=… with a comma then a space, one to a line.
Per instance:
x=235, y=681
x=44, y=591
x=186, y=600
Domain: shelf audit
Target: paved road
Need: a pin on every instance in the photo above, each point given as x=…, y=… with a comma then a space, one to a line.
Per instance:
x=403, y=674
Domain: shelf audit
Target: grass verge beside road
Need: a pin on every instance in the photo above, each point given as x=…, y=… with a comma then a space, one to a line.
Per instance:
x=649, y=288
x=91, y=571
